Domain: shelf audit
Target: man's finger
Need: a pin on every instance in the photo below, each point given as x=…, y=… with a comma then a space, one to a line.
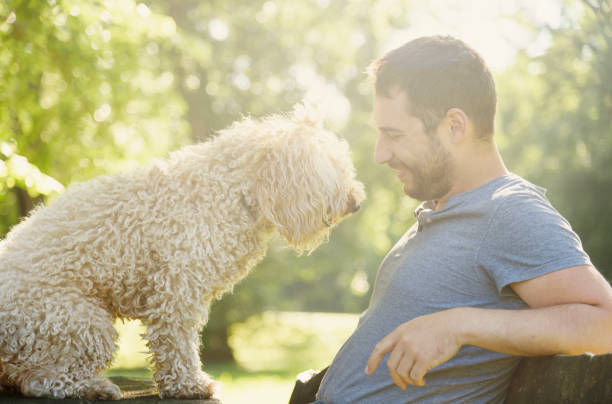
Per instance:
x=393, y=363
x=404, y=367
x=421, y=367
x=383, y=347
x=418, y=373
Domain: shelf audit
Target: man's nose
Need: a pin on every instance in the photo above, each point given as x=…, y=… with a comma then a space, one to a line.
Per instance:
x=382, y=152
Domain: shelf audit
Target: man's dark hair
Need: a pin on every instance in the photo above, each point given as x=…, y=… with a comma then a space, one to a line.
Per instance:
x=439, y=73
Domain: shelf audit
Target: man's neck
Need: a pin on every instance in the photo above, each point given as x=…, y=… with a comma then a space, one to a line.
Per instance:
x=474, y=171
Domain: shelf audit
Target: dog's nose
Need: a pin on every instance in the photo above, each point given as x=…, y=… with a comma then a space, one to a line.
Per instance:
x=353, y=206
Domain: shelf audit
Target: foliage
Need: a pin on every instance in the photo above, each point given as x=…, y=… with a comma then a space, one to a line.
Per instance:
x=17, y=172
x=556, y=121
x=83, y=90
x=290, y=341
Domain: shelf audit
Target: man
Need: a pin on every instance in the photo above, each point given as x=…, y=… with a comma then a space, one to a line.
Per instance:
x=490, y=271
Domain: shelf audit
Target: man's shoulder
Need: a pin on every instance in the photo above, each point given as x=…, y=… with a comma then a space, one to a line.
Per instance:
x=515, y=195
x=515, y=188
x=508, y=189
x=518, y=203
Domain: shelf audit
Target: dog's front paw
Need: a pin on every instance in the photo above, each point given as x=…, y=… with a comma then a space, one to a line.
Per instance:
x=201, y=386
x=98, y=388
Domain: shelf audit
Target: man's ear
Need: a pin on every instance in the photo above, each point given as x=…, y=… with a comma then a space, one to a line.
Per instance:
x=458, y=123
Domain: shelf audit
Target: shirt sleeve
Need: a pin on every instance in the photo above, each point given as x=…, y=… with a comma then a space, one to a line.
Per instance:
x=527, y=238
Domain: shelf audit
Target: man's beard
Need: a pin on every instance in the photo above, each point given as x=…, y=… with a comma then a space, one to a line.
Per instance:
x=432, y=179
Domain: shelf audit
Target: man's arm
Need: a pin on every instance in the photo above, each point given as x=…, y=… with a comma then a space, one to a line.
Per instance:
x=570, y=312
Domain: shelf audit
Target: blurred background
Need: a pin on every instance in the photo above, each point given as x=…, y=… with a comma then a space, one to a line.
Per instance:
x=89, y=87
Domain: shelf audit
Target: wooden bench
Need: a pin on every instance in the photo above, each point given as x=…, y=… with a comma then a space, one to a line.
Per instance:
x=559, y=379
x=584, y=379
x=133, y=391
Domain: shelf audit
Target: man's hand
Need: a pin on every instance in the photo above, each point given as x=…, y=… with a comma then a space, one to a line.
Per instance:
x=418, y=346
x=570, y=313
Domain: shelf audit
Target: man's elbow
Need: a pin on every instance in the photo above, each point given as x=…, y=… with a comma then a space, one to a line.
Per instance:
x=591, y=330
x=603, y=333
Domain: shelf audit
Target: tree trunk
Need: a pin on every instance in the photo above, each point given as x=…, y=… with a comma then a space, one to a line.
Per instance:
x=25, y=201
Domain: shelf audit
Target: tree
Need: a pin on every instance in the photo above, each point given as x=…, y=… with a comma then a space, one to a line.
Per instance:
x=83, y=94
x=556, y=121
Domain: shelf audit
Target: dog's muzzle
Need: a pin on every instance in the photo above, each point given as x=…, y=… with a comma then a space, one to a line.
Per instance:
x=353, y=206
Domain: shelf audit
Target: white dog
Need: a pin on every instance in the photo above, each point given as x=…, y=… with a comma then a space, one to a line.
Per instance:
x=158, y=244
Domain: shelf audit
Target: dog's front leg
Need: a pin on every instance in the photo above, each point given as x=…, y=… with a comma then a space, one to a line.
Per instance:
x=174, y=345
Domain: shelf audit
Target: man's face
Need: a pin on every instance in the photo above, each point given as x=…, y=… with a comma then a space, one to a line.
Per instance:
x=424, y=165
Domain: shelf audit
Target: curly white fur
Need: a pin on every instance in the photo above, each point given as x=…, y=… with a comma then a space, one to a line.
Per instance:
x=159, y=244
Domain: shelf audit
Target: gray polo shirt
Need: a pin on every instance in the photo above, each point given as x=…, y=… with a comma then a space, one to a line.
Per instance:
x=465, y=254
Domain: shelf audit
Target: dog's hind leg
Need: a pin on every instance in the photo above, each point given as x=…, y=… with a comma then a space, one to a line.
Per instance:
x=58, y=348
x=4, y=383
x=49, y=382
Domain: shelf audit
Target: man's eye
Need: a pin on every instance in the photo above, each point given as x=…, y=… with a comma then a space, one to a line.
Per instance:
x=394, y=134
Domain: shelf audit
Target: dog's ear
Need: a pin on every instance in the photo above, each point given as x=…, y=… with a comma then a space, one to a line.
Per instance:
x=293, y=183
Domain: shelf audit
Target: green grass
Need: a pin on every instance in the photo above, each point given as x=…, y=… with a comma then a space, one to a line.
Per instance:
x=238, y=385
x=270, y=349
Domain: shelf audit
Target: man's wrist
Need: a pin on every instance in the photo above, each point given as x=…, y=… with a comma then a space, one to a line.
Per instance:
x=463, y=320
